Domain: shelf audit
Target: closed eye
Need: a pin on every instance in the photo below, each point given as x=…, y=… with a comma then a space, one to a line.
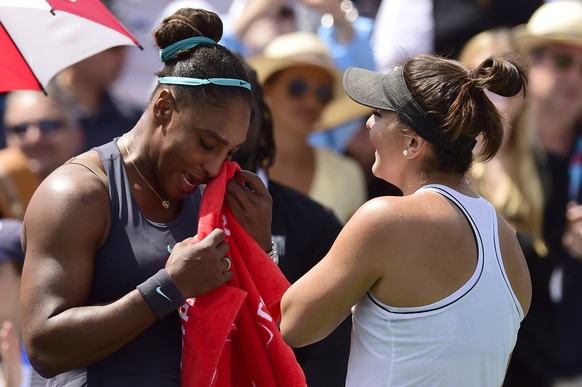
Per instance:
x=232, y=153
x=206, y=145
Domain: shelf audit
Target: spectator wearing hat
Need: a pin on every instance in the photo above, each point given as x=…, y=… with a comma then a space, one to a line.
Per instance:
x=15, y=370
x=549, y=347
x=300, y=81
x=303, y=231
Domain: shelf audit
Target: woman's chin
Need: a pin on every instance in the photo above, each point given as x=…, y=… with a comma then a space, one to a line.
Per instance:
x=375, y=170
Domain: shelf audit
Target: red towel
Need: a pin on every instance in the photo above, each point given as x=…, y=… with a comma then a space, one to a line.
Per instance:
x=231, y=335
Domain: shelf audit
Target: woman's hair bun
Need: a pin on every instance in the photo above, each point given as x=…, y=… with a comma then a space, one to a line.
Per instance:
x=186, y=23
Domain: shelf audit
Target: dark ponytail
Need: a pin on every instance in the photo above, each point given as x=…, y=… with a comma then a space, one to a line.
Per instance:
x=455, y=98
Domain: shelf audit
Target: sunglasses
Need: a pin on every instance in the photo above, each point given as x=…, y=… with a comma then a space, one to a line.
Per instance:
x=44, y=126
x=286, y=12
x=563, y=61
x=298, y=88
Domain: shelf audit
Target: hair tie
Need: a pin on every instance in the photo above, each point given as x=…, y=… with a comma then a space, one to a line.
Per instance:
x=473, y=74
x=462, y=146
x=185, y=44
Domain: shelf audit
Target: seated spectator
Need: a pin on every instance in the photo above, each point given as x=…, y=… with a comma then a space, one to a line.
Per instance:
x=549, y=348
x=303, y=231
x=300, y=80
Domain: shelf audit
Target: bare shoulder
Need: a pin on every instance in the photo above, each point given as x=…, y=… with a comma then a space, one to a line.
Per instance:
x=515, y=263
x=383, y=222
x=380, y=212
x=398, y=214
x=68, y=198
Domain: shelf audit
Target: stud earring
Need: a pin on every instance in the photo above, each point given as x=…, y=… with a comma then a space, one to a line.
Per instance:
x=405, y=152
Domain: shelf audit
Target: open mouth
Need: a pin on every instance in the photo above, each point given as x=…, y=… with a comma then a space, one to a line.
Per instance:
x=190, y=180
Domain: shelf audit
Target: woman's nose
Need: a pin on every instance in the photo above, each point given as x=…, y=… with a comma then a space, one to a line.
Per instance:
x=213, y=166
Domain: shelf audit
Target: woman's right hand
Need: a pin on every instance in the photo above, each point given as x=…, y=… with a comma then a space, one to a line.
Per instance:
x=199, y=267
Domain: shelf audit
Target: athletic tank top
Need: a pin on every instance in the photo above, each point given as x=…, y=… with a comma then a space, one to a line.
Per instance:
x=464, y=339
x=134, y=251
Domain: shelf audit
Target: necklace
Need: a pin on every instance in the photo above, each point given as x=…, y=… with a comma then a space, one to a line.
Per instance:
x=165, y=203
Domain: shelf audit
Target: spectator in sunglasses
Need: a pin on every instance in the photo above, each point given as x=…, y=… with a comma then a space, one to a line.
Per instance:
x=41, y=133
x=300, y=81
x=512, y=181
x=44, y=127
x=552, y=40
x=303, y=231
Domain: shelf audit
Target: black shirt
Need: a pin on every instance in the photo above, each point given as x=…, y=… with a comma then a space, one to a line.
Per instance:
x=304, y=231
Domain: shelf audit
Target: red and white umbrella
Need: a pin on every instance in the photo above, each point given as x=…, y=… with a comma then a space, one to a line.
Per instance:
x=39, y=38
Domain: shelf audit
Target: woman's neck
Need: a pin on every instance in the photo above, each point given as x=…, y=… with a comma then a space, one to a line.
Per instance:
x=460, y=183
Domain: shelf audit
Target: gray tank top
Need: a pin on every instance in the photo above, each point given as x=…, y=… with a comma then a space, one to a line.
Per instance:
x=135, y=250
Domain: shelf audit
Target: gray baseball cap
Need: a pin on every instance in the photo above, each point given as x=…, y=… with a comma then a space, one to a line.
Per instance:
x=389, y=92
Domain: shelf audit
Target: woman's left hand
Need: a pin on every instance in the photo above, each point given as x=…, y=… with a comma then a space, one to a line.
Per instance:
x=251, y=204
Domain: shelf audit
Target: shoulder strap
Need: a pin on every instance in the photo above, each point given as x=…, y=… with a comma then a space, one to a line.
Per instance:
x=90, y=165
x=93, y=167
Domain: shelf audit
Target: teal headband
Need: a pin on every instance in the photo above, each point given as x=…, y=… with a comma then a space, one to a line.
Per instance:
x=183, y=81
x=171, y=51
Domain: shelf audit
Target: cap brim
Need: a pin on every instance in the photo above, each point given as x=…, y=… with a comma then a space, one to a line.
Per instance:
x=390, y=92
x=366, y=87
x=341, y=111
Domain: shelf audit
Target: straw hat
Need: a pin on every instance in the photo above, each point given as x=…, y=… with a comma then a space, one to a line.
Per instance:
x=306, y=48
x=556, y=22
x=295, y=49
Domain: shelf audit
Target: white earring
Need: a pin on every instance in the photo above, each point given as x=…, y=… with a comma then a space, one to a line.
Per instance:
x=405, y=152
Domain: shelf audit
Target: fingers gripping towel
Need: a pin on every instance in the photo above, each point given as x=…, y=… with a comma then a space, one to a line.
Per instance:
x=231, y=335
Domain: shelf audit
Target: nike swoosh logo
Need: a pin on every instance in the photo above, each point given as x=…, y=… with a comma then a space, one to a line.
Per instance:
x=159, y=290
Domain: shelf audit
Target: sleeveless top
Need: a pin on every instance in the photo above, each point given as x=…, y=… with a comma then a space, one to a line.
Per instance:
x=136, y=249
x=464, y=339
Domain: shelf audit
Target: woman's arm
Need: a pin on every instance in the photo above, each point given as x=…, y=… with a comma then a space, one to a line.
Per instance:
x=320, y=300
x=65, y=221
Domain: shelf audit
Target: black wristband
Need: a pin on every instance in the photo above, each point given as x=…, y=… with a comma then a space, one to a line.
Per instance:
x=161, y=293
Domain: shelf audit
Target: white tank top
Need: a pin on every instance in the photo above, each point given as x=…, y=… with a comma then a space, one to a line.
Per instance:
x=462, y=340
